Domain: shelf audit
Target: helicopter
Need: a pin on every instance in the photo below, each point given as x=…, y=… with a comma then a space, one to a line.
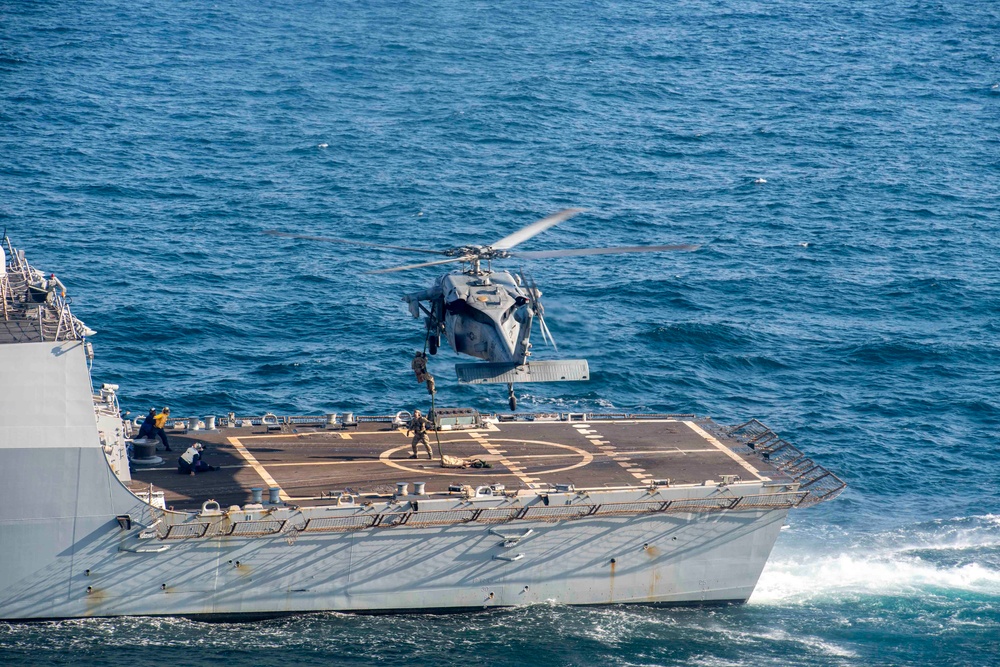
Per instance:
x=489, y=314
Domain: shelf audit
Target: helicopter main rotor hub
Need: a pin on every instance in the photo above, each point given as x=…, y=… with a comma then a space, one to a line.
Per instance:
x=477, y=252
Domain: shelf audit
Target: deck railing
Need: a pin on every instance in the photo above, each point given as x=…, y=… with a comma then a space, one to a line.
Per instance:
x=819, y=483
x=50, y=319
x=362, y=519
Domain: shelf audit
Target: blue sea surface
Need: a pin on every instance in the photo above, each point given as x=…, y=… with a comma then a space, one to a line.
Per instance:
x=838, y=162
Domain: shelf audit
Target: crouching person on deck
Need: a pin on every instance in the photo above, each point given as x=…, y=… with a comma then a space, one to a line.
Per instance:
x=190, y=461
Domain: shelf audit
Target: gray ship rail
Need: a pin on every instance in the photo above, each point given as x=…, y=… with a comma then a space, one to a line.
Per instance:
x=819, y=483
x=270, y=419
x=34, y=308
x=255, y=528
x=310, y=520
x=340, y=523
x=334, y=420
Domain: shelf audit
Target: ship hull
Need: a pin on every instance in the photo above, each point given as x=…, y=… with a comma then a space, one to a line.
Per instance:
x=678, y=559
x=68, y=554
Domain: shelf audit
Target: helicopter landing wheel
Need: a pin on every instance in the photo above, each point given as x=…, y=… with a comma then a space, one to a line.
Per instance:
x=432, y=344
x=511, y=398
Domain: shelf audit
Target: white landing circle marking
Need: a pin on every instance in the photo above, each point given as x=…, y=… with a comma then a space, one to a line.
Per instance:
x=404, y=464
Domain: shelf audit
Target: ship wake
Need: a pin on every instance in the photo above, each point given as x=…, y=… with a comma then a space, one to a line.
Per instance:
x=947, y=558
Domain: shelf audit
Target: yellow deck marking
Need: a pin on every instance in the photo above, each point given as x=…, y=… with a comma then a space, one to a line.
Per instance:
x=500, y=455
x=264, y=475
x=340, y=434
x=276, y=436
x=285, y=435
x=321, y=463
x=516, y=470
x=662, y=452
x=385, y=459
x=403, y=464
x=728, y=452
x=544, y=456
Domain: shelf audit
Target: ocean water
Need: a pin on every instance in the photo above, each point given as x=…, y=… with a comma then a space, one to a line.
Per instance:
x=839, y=163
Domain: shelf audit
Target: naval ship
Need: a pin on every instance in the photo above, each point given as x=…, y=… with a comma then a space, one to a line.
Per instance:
x=329, y=513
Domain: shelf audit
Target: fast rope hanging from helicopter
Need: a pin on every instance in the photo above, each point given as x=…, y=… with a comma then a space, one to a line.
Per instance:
x=432, y=390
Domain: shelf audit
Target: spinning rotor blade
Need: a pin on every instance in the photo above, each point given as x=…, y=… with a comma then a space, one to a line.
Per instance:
x=575, y=252
x=536, y=305
x=329, y=239
x=546, y=333
x=535, y=228
x=420, y=266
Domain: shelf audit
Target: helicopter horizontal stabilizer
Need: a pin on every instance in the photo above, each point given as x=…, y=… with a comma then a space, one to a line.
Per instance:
x=535, y=371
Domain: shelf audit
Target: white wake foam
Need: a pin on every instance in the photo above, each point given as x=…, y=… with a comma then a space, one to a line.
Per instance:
x=851, y=576
x=898, y=563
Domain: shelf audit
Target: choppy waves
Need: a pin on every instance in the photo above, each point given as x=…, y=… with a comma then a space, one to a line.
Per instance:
x=836, y=163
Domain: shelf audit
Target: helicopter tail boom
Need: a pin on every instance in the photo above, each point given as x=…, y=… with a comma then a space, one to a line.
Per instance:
x=534, y=371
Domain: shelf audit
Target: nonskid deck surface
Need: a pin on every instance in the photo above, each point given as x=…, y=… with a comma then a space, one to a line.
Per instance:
x=312, y=465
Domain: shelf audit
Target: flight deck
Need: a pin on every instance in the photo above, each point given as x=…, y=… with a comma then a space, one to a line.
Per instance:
x=311, y=464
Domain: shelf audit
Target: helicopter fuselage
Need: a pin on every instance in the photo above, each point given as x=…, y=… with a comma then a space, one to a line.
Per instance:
x=487, y=315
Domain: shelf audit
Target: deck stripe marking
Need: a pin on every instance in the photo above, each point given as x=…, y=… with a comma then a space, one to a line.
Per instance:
x=255, y=464
x=275, y=436
x=351, y=436
x=320, y=463
x=725, y=450
x=504, y=461
x=672, y=450
x=622, y=458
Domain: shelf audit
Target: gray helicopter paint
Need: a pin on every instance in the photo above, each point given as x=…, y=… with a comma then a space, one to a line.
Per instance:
x=534, y=371
x=485, y=316
x=488, y=314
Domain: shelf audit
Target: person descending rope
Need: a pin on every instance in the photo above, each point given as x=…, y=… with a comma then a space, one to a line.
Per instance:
x=418, y=426
x=419, y=366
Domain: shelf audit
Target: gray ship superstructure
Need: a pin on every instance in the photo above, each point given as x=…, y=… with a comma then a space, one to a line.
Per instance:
x=329, y=513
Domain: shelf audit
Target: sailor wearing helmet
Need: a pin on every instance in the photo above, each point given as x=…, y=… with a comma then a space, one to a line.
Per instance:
x=418, y=426
x=159, y=423
x=190, y=461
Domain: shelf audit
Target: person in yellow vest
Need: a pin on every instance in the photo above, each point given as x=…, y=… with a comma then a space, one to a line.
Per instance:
x=159, y=422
